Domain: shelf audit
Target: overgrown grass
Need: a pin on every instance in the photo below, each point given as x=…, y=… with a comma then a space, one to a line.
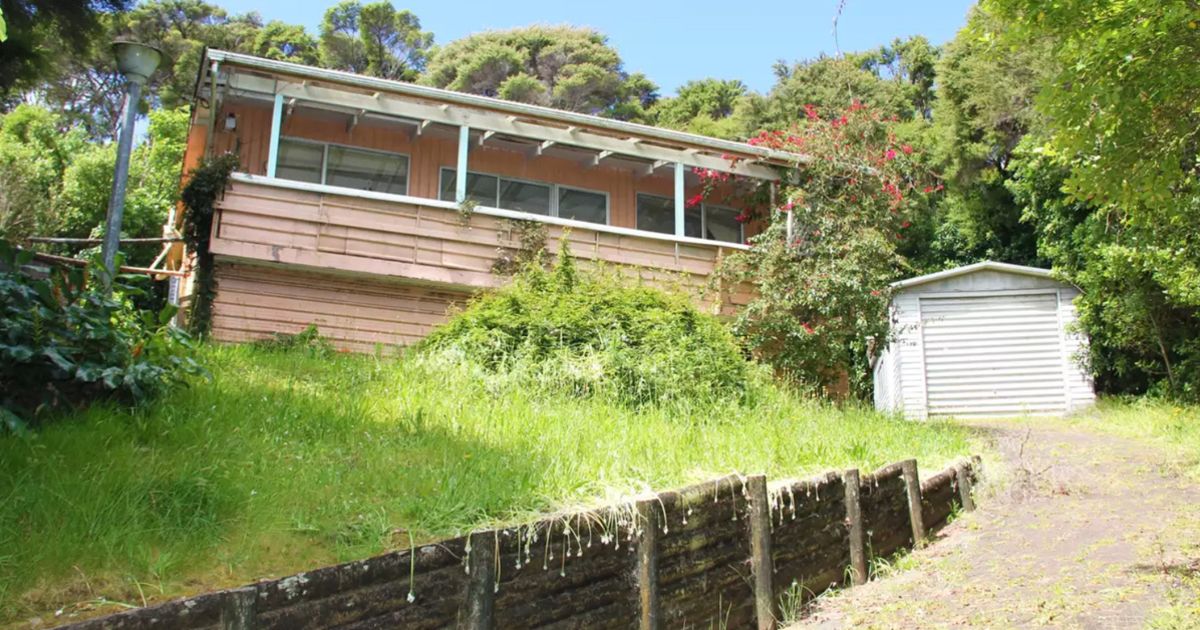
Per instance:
x=1169, y=423
x=288, y=459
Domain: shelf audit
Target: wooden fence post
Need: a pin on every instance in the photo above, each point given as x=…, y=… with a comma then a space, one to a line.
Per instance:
x=647, y=565
x=481, y=584
x=913, y=485
x=237, y=611
x=858, y=552
x=962, y=474
x=760, y=552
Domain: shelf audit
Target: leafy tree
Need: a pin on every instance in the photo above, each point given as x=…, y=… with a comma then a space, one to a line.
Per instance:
x=1138, y=304
x=984, y=109
x=558, y=66
x=1111, y=183
x=36, y=32
x=153, y=190
x=1123, y=110
x=895, y=80
x=88, y=88
x=286, y=42
x=705, y=107
x=374, y=39
x=822, y=265
x=34, y=153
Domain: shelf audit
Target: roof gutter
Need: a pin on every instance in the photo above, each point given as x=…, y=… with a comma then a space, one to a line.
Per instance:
x=509, y=107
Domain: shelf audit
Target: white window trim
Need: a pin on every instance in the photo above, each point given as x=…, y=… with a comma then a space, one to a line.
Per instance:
x=554, y=190
x=325, y=157
x=703, y=218
x=291, y=184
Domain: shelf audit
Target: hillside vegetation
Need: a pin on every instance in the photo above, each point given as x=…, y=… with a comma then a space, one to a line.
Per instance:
x=293, y=458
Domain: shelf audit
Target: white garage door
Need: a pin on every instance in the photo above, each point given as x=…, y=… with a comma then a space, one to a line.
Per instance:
x=993, y=356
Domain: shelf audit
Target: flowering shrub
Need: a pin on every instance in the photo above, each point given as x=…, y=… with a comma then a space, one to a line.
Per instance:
x=822, y=264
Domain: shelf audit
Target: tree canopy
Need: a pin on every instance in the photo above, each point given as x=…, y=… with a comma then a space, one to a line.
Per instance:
x=558, y=66
x=374, y=39
x=34, y=33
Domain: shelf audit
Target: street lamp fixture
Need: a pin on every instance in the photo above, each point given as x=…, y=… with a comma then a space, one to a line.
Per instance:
x=136, y=62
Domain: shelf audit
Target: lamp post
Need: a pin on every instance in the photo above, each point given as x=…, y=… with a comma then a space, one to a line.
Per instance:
x=136, y=62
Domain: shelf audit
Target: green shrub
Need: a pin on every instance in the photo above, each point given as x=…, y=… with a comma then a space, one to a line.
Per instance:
x=309, y=340
x=596, y=334
x=66, y=341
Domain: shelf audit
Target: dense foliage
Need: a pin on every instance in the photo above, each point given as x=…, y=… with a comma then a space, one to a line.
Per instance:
x=34, y=32
x=822, y=266
x=374, y=39
x=564, y=67
x=66, y=341
x=562, y=331
x=1110, y=177
x=56, y=183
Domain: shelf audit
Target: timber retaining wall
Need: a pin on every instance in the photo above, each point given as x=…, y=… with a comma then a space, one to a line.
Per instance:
x=718, y=554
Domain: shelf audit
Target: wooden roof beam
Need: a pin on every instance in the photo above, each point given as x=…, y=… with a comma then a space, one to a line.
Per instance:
x=547, y=135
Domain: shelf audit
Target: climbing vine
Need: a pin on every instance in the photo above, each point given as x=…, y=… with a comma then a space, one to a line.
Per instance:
x=531, y=245
x=205, y=185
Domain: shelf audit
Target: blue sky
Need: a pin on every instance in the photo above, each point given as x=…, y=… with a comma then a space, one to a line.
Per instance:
x=672, y=41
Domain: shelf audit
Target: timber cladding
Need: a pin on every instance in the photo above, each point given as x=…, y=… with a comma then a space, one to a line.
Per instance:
x=719, y=554
x=373, y=273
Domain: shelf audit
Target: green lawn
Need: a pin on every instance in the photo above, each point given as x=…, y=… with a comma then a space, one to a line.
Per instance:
x=286, y=460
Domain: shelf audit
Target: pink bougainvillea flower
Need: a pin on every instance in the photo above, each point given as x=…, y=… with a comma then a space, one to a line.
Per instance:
x=695, y=200
x=810, y=110
x=891, y=154
x=907, y=149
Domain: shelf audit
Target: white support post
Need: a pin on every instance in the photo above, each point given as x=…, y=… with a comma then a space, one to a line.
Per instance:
x=680, y=202
x=276, y=124
x=460, y=176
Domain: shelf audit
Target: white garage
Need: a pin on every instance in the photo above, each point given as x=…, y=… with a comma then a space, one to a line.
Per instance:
x=985, y=340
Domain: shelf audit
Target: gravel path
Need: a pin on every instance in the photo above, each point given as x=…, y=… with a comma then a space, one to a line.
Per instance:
x=1081, y=530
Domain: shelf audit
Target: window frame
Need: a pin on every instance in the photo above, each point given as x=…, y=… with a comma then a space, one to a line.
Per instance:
x=669, y=200
x=703, y=218
x=554, y=191
x=325, y=159
x=704, y=222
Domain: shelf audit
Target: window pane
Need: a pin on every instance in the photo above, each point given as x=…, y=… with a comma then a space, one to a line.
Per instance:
x=447, y=185
x=524, y=197
x=581, y=205
x=656, y=214
x=691, y=222
x=300, y=161
x=367, y=170
x=480, y=188
x=722, y=224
